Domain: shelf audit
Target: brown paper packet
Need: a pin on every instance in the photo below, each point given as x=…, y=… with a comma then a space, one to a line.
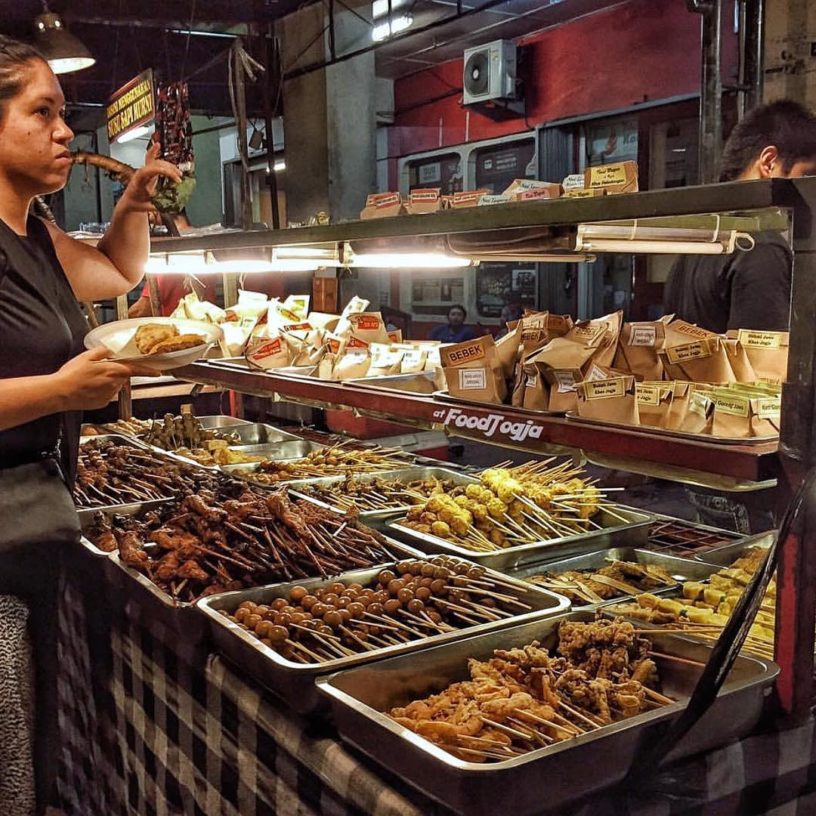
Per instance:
x=638, y=349
x=739, y=361
x=355, y=363
x=703, y=360
x=385, y=360
x=368, y=327
x=767, y=351
x=507, y=351
x=473, y=371
x=537, y=329
x=740, y=416
x=681, y=395
x=562, y=384
x=699, y=414
x=536, y=391
x=654, y=403
x=611, y=400
x=679, y=332
x=268, y=352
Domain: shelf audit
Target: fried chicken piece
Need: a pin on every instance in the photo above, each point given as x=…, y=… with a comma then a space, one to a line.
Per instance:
x=149, y=335
x=183, y=341
x=167, y=567
x=190, y=569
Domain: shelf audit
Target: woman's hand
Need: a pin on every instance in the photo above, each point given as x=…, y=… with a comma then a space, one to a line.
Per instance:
x=142, y=187
x=89, y=380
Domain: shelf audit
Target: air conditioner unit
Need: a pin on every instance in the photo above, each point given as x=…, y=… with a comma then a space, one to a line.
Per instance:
x=490, y=72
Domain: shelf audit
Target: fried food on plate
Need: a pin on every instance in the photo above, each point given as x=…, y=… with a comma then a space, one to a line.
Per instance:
x=162, y=338
x=150, y=335
x=179, y=343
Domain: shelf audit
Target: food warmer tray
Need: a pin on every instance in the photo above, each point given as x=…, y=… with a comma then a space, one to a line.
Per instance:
x=294, y=682
x=681, y=569
x=185, y=617
x=408, y=474
x=556, y=775
x=258, y=433
x=220, y=422
x=725, y=556
x=128, y=442
x=423, y=383
x=86, y=514
x=613, y=533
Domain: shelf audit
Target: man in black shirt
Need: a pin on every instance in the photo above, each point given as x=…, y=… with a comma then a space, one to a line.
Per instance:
x=746, y=290
x=749, y=290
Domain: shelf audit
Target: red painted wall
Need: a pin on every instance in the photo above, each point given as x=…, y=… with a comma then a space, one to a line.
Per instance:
x=644, y=49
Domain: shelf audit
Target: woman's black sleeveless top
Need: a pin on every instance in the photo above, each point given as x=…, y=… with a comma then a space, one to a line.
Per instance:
x=41, y=328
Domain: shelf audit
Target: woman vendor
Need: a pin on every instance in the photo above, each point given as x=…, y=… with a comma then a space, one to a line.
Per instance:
x=46, y=379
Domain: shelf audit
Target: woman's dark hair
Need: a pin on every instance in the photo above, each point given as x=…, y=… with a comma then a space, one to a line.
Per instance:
x=13, y=56
x=787, y=125
x=458, y=306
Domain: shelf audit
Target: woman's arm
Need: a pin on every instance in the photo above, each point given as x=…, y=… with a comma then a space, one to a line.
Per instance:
x=84, y=382
x=117, y=263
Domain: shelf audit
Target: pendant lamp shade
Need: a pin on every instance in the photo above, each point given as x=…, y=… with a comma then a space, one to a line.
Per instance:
x=64, y=52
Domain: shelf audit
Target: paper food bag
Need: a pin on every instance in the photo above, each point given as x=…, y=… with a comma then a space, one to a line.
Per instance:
x=539, y=328
x=703, y=360
x=699, y=414
x=507, y=351
x=738, y=360
x=654, y=401
x=354, y=364
x=532, y=389
x=368, y=327
x=767, y=351
x=610, y=400
x=268, y=352
x=638, y=349
x=385, y=360
x=473, y=371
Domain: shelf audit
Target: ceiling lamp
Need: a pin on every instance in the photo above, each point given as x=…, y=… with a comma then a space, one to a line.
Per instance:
x=64, y=52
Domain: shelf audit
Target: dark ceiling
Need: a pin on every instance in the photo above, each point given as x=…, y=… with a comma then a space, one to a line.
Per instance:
x=127, y=37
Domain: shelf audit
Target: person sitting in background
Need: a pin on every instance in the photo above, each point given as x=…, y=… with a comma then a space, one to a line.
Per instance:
x=455, y=331
x=749, y=290
x=512, y=311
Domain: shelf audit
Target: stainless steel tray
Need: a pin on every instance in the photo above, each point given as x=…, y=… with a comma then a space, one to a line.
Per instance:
x=408, y=474
x=612, y=534
x=724, y=556
x=421, y=383
x=281, y=451
x=142, y=597
x=86, y=514
x=556, y=775
x=648, y=429
x=294, y=682
x=445, y=396
x=681, y=569
x=256, y=433
x=217, y=422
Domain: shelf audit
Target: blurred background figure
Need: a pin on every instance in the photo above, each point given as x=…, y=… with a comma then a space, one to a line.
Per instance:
x=455, y=331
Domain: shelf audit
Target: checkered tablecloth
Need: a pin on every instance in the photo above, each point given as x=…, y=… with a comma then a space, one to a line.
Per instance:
x=154, y=724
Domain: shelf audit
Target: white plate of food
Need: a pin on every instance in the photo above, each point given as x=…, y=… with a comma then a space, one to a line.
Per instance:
x=161, y=343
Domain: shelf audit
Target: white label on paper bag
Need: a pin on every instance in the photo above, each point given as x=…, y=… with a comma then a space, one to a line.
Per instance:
x=531, y=381
x=596, y=373
x=606, y=389
x=643, y=334
x=472, y=379
x=565, y=380
x=757, y=339
x=691, y=351
x=698, y=404
x=733, y=406
x=770, y=408
x=648, y=394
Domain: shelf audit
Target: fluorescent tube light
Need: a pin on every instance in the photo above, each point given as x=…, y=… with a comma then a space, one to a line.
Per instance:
x=379, y=8
x=408, y=260
x=136, y=133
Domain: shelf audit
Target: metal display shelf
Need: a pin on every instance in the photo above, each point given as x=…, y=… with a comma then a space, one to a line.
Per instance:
x=733, y=197
x=505, y=426
x=761, y=201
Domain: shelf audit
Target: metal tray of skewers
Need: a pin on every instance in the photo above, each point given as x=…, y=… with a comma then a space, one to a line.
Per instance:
x=90, y=517
x=373, y=506
x=609, y=576
x=617, y=526
x=394, y=626
x=149, y=492
x=544, y=767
